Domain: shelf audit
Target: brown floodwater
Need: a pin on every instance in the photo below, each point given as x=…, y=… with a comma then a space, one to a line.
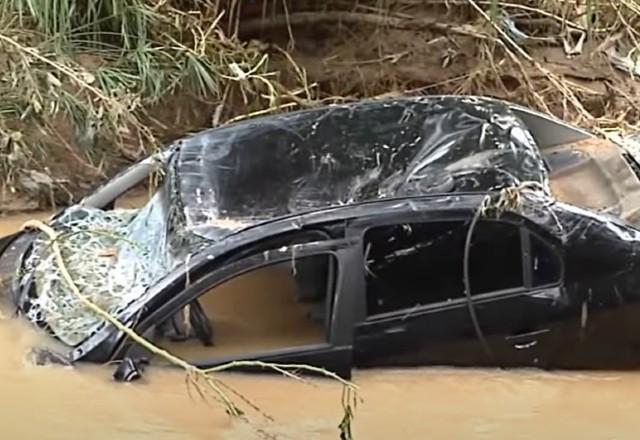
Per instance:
x=67, y=403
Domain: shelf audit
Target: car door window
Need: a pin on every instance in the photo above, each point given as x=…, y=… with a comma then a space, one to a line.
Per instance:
x=273, y=307
x=495, y=261
x=546, y=265
x=416, y=264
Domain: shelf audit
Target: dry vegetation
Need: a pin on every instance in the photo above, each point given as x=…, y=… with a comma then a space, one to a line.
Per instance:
x=87, y=89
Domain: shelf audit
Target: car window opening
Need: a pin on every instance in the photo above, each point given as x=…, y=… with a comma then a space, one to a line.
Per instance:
x=275, y=307
x=135, y=198
x=412, y=265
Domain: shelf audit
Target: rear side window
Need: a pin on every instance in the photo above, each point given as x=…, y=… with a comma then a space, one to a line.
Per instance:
x=410, y=265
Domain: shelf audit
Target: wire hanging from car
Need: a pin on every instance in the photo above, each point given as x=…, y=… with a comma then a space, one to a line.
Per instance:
x=467, y=283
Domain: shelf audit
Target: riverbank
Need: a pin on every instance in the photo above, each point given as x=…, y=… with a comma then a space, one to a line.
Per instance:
x=561, y=58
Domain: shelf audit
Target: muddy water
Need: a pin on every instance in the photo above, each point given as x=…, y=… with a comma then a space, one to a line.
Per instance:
x=65, y=403
x=255, y=312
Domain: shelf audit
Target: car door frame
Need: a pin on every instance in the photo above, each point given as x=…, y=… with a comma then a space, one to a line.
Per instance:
x=358, y=229
x=335, y=355
x=543, y=296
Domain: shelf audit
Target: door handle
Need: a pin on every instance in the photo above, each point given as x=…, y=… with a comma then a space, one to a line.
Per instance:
x=522, y=341
x=396, y=329
x=525, y=345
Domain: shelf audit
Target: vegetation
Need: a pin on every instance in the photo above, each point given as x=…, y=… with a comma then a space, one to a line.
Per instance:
x=90, y=86
x=79, y=81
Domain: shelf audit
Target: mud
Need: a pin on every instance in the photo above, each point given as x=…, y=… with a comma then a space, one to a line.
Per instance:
x=68, y=403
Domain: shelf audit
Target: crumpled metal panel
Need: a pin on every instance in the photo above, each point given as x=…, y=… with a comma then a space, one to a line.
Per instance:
x=229, y=178
x=596, y=175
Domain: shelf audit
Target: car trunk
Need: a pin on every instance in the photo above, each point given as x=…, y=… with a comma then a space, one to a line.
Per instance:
x=596, y=174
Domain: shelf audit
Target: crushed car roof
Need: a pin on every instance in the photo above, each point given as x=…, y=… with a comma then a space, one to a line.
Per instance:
x=228, y=178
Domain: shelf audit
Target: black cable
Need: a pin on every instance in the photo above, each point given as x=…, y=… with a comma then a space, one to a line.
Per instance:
x=467, y=286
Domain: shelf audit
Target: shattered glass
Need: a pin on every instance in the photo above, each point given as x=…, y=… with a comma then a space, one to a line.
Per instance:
x=113, y=257
x=221, y=181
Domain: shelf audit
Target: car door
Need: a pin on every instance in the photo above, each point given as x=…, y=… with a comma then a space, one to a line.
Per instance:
x=258, y=308
x=417, y=312
x=534, y=325
x=415, y=309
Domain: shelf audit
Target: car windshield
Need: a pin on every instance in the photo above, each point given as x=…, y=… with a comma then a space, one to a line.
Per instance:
x=223, y=180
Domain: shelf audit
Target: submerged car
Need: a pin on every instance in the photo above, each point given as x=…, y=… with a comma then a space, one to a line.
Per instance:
x=359, y=228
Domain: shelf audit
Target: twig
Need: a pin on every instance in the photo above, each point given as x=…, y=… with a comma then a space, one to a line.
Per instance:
x=550, y=76
x=467, y=282
x=263, y=112
x=59, y=67
x=74, y=154
x=196, y=374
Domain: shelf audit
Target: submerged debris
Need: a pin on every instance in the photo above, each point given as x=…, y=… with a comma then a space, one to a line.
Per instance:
x=130, y=370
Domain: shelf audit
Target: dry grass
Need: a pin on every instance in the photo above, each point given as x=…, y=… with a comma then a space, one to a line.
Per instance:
x=80, y=82
x=556, y=56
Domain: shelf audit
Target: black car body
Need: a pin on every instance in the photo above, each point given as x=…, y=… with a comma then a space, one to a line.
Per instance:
x=371, y=205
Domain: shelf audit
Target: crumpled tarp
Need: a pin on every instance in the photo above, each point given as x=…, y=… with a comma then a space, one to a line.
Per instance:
x=223, y=180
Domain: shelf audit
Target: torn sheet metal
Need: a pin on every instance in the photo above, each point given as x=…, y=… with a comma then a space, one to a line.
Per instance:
x=594, y=174
x=629, y=63
x=510, y=27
